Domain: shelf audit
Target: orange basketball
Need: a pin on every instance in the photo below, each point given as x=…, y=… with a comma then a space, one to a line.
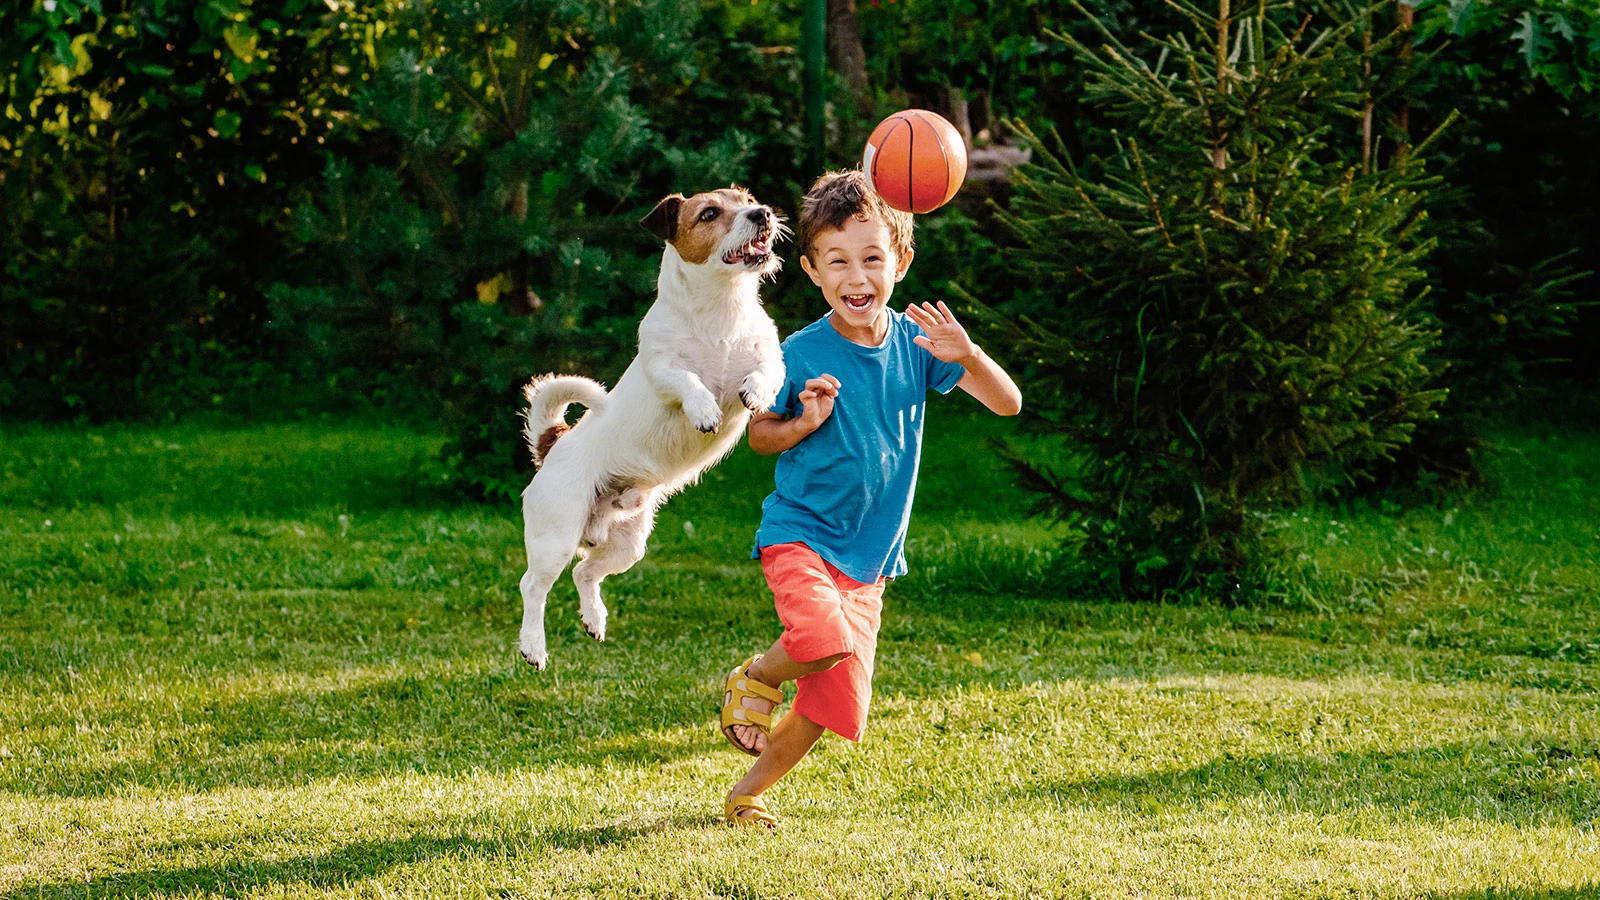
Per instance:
x=915, y=160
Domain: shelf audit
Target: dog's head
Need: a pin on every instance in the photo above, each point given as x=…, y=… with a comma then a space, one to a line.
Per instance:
x=726, y=230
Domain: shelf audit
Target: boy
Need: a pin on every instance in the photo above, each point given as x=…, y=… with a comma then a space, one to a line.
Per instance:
x=848, y=424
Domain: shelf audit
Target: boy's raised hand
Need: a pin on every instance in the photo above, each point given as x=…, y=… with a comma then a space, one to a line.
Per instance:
x=942, y=335
x=817, y=400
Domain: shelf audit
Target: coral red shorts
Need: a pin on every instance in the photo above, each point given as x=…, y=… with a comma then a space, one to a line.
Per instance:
x=825, y=612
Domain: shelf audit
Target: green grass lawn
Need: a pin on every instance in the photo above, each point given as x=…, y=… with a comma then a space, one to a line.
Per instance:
x=272, y=661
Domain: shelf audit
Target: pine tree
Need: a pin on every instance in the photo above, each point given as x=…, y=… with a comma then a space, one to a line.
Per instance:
x=1226, y=310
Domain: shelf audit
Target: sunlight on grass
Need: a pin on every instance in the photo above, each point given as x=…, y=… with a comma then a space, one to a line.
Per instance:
x=303, y=683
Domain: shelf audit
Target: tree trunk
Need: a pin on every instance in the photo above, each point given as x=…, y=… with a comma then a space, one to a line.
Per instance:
x=1366, y=112
x=1219, y=137
x=955, y=103
x=1402, y=119
x=982, y=114
x=847, y=56
x=1219, y=149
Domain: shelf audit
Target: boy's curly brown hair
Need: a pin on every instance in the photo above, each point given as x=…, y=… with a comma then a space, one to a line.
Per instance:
x=838, y=196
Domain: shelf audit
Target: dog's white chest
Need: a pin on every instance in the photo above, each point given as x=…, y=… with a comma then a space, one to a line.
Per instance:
x=722, y=366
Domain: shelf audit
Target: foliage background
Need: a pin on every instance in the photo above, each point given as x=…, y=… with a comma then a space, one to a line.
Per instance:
x=293, y=208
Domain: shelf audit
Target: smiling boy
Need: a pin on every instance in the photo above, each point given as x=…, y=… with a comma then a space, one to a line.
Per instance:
x=848, y=424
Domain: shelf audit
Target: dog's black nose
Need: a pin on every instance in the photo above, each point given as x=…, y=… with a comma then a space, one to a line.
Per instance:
x=758, y=215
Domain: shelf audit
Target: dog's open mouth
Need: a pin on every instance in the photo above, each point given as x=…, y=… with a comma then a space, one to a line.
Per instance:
x=752, y=254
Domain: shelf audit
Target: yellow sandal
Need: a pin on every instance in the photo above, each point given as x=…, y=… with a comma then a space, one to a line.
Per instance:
x=759, y=814
x=739, y=686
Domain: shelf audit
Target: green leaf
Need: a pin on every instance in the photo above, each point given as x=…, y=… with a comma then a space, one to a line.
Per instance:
x=1152, y=563
x=63, y=45
x=80, y=49
x=553, y=180
x=1558, y=23
x=1531, y=37
x=256, y=172
x=241, y=40
x=1460, y=12
x=227, y=123
x=150, y=69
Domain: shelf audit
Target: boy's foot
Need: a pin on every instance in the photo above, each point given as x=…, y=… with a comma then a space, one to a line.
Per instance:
x=747, y=705
x=749, y=736
x=748, y=810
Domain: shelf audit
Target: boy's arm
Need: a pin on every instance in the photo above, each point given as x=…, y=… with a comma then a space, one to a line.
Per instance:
x=989, y=383
x=771, y=433
x=947, y=340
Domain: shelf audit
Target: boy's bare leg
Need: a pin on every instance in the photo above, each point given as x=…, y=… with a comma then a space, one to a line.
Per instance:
x=773, y=669
x=791, y=740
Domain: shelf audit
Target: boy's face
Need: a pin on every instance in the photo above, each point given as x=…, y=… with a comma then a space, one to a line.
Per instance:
x=856, y=268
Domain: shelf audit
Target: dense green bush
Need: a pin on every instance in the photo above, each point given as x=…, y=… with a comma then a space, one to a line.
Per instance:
x=1509, y=290
x=1223, y=305
x=147, y=152
x=1520, y=231
x=499, y=239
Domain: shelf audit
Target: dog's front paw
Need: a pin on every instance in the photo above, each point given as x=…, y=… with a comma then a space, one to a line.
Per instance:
x=755, y=395
x=704, y=413
x=533, y=652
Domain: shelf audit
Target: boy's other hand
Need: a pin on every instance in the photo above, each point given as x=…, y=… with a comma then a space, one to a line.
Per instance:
x=942, y=335
x=817, y=400
x=771, y=433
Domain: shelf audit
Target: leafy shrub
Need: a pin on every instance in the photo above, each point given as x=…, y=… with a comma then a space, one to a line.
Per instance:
x=1224, y=305
x=500, y=240
x=146, y=151
x=1517, y=228
x=1506, y=285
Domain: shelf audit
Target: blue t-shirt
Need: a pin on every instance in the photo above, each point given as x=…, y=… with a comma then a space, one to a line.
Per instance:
x=845, y=490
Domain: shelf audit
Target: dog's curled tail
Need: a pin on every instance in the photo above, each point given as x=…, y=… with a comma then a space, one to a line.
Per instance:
x=548, y=399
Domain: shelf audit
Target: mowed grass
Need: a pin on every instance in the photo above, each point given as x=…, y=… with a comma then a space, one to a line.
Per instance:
x=272, y=661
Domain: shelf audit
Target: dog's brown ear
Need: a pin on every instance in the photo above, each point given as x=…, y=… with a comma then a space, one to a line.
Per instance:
x=663, y=220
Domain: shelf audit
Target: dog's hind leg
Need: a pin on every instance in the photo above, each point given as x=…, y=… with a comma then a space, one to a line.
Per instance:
x=553, y=514
x=624, y=546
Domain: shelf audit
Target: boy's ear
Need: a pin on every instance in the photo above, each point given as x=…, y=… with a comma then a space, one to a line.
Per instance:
x=904, y=264
x=805, y=263
x=663, y=220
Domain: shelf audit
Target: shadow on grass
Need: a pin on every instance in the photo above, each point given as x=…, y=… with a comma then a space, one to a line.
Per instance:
x=338, y=868
x=615, y=835
x=1490, y=782
x=407, y=723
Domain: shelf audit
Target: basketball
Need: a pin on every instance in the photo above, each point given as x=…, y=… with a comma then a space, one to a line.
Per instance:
x=915, y=160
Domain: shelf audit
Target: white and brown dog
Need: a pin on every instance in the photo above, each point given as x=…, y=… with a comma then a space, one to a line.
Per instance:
x=708, y=357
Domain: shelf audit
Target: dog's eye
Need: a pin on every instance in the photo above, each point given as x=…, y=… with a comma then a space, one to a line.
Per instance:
x=710, y=213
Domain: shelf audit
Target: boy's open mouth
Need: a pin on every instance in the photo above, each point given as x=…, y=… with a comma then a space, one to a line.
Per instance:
x=857, y=303
x=752, y=254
